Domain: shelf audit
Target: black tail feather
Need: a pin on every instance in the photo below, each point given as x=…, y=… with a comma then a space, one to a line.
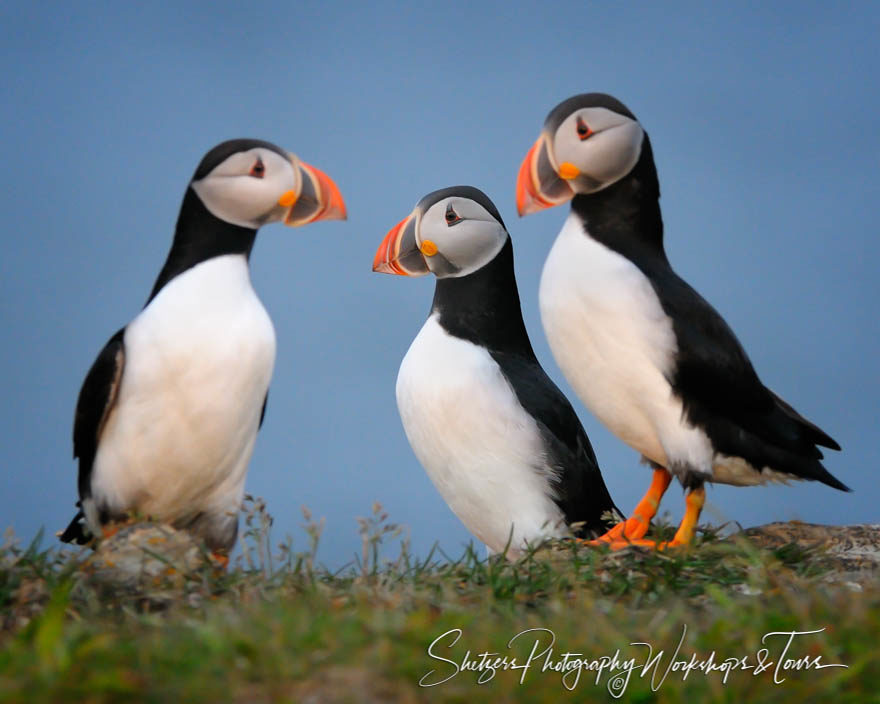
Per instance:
x=76, y=531
x=824, y=476
x=816, y=435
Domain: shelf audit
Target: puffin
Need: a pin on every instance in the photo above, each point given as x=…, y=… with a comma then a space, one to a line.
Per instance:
x=168, y=414
x=650, y=358
x=498, y=439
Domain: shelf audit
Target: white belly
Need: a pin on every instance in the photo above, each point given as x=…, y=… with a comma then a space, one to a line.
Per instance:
x=481, y=450
x=615, y=345
x=198, y=361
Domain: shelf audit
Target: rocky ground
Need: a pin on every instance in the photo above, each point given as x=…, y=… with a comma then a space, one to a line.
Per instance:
x=849, y=553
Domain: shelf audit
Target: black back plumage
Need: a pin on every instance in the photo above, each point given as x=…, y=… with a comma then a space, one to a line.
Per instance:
x=484, y=308
x=96, y=399
x=713, y=375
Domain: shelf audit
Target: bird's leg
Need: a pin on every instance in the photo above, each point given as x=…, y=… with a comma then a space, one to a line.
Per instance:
x=108, y=530
x=636, y=525
x=693, y=507
x=684, y=535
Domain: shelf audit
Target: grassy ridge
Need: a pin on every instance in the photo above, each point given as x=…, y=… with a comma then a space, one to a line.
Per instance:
x=279, y=628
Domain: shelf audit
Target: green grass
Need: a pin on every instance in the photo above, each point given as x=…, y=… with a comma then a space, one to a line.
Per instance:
x=278, y=627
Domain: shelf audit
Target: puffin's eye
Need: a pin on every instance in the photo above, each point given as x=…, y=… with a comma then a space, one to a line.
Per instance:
x=451, y=216
x=258, y=170
x=583, y=129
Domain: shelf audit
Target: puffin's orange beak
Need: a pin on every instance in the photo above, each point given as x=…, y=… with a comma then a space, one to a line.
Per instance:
x=538, y=185
x=399, y=252
x=318, y=198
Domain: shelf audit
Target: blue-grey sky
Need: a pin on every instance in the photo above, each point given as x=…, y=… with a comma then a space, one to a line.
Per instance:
x=764, y=127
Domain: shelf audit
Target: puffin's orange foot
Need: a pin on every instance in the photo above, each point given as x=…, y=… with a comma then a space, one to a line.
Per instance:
x=220, y=559
x=108, y=530
x=636, y=525
x=649, y=544
x=632, y=528
x=111, y=528
x=683, y=536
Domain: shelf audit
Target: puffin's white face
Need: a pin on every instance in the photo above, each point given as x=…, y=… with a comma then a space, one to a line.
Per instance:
x=594, y=147
x=257, y=186
x=588, y=150
x=450, y=237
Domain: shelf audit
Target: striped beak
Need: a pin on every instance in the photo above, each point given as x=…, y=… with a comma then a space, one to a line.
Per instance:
x=399, y=252
x=315, y=197
x=539, y=185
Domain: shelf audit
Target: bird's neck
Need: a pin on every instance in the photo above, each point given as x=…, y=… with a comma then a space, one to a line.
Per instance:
x=483, y=307
x=200, y=236
x=626, y=216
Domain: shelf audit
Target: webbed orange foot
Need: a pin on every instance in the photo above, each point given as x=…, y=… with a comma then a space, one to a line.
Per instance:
x=683, y=536
x=636, y=526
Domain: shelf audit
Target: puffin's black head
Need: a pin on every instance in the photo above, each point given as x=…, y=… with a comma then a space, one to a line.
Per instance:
x=589, y=142
x=452, y=232
x=249, y=182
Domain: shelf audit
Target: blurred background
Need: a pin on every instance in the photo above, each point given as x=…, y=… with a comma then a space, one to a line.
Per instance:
x=764, y=127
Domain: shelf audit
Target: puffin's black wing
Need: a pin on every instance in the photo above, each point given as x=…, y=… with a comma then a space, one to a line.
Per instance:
x=581, y=492
x=96, y=399
x=723, y=395
x=263, y=410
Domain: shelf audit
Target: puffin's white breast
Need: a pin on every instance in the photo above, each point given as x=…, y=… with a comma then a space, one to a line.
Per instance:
x=616, y=346
x=481, y=449
x=198, y=361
